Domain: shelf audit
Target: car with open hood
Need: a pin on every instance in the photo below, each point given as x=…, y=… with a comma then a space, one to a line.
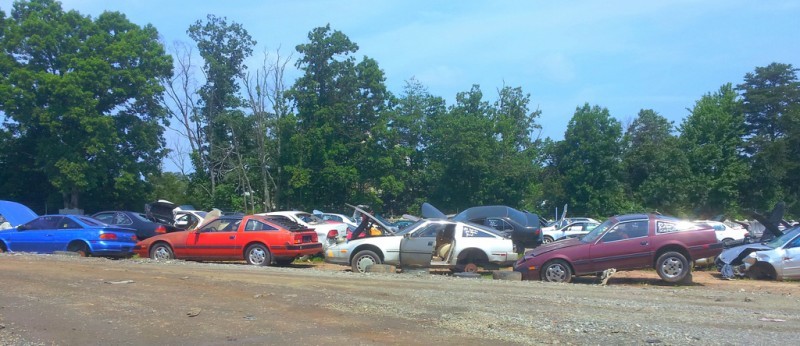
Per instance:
x=257, y=239
x=13, y=214
x=624, y=242
x=442, y=243
x=522, y=227
x=777, y=259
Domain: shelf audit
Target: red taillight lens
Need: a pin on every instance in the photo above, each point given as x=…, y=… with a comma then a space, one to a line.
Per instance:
x=161, y=229
x=134, y=238
x=298, y=238
x=332, y=234
x=109, y=236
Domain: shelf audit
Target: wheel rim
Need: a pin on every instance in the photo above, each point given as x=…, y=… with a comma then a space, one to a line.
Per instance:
x=471, y=268
x=556, y=273
x=161, y=253
x=365, y=261
x=257, y=255
x=547, y=240
x=672, y=267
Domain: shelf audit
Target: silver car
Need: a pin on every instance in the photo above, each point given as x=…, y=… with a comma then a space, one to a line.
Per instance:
x=776, y=259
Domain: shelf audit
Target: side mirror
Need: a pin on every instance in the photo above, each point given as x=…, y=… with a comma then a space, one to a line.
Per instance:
x=406, y=235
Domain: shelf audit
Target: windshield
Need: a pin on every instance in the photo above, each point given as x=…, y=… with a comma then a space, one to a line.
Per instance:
x=779, y=241
x=597, y=231
x=410, y=227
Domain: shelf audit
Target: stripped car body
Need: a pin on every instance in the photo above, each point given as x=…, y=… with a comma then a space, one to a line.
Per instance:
x=624, y=242
x=460, y=246
x=777, y=259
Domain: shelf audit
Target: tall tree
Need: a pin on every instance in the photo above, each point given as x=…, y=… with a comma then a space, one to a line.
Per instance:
x=588, y=160
x=87, y=90
x=655, y=167
x=770, y=100
x=711, y=137
x=224, y=48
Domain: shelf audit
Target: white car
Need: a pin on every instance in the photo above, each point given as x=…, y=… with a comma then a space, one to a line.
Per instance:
x=571, y=230
x=566, y=221
x=427, y=243
x=322, y=227
x=336, y=217
x=726, y=234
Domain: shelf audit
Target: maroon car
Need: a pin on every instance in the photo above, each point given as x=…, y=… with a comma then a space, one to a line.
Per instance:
x=624, y=242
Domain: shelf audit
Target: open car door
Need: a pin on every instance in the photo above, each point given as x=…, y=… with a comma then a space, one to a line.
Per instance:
x=416, y=248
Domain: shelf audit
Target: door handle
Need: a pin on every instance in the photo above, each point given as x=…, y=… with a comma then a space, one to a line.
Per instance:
x=430, y=243
x=232, y=237
x=643, y=243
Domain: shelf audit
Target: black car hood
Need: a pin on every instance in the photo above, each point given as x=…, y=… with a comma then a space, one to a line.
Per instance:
x=161, y=211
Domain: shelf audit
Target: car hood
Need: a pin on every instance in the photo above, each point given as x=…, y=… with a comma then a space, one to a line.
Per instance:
x=16, y=213
x=735, y=254
x=561, y=244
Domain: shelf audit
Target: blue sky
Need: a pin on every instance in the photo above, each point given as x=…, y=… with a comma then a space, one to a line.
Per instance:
x=622, y=55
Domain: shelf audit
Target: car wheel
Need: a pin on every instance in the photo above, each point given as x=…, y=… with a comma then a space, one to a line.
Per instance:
x=80, y=248
x=161, y=252
x=547, y=239
x=672, y=267
x=363, y=259
x=284, y=261
x=556, y=271
x=258, y=255
x=727, y=242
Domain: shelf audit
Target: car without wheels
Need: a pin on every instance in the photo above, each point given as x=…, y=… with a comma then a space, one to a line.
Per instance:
x=624, y=242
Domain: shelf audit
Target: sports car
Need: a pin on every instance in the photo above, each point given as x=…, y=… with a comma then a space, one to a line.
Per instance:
x=259, y=240
x=81, y=234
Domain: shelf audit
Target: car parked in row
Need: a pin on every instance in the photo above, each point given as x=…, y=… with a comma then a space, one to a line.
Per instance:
x=572, y=230
x=726, y=234
x=522, y=227
x=443, y=243
x=311, y=221
x=777, y=259
x=257, y=239
x=144, y=228
x=81, y=234
x=624, y=242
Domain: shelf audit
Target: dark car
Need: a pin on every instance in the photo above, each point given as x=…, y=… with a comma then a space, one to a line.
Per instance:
x=522, y=226
x=624, y=242
x=144, y=228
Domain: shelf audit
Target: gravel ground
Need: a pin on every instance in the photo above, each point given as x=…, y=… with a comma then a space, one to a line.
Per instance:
x=65, y=300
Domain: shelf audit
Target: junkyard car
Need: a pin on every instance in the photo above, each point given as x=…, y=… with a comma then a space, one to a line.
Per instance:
x=522, y=227
x=81, y=234
x=259, y=240
x=624, y=242
x=13, y=214
x=460, y=246
x=727, y=234
x=777, y=259
x=322, y=227
x=139, y=222
x=571, y=230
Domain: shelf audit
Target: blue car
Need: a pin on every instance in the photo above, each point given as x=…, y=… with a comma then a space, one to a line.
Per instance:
x=81, y=234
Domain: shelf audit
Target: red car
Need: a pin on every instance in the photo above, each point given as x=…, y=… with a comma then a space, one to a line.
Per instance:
x=624, y=242
x=259, y=240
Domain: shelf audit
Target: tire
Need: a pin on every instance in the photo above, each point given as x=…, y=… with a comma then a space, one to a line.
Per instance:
x=672, y=267
x=362, y=259
x=161, y=252
x=258, y=255
x=556, y=271
x=547, y=239
x=284, y=261
x=80, y=248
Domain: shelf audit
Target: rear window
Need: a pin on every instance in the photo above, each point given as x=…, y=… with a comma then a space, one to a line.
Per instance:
x=671, y=227
x=91, y=222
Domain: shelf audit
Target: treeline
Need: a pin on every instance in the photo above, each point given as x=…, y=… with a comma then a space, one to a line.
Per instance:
x=87, y=101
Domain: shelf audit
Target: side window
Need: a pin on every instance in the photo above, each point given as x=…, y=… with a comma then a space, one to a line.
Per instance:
x=213, y=226
x=498, y=224
x=254, y=225
x=44, y=222
x=626, y=230
x=122, y=219
x=794, y=243
x=105, y=218
x=332, y=217
x=67, y=223
x=429, y=231
x=230, y=226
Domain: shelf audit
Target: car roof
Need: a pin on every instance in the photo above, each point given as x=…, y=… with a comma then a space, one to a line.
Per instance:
x=523, y=218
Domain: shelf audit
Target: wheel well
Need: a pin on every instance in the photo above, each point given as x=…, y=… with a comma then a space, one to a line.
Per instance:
x=474, y=254
x=569, y=264
x=369, y=247
x=161, y=242
x=244, y=249
x=676, y=248
x=73, y=245
x=3, y=246
x=763, y=269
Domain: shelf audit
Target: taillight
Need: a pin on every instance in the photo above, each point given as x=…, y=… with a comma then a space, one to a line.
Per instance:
x=298, y=238
x=109, y=236
x=332, y=234
x=161, y=229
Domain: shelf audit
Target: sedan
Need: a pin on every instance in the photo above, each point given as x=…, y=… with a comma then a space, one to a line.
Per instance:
x=81, y=234
x=777, y=259
x=144, y=227
x=259, y=240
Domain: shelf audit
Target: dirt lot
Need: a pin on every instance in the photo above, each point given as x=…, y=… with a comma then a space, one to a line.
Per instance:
x=66, y=300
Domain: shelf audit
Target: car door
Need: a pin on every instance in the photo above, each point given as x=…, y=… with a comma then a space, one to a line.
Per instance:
x=416, y=249
x=36, y=235
x=625, y=245
x=216, y=240
x=67, y=230
x=791, y=259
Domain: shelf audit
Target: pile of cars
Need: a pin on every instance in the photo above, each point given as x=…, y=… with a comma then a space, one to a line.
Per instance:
x=488, y=237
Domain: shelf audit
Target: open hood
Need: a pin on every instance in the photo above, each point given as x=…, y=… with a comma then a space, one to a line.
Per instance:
x=430, y=212
x=375, y=220
x=15, y=213
x=161, y=211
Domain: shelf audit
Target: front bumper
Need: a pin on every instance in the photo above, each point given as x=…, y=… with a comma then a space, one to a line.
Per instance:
x=528, y=270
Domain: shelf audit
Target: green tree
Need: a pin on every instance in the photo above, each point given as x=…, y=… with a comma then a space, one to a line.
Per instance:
x=588, y=160
x=86, y=93
x=770, y=101
x=711, y=137
x=655, y=167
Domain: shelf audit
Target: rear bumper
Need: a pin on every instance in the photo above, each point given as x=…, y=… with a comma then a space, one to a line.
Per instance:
x=296, y=250
x=112, y=248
